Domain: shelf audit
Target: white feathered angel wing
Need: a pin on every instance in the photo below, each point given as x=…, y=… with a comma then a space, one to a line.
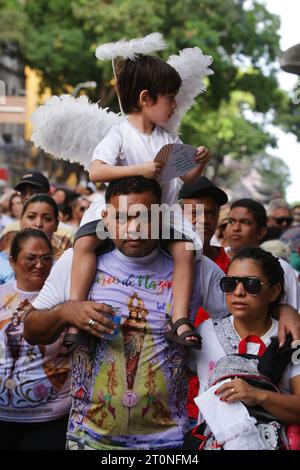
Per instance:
x=192, y=66
x=70, y=128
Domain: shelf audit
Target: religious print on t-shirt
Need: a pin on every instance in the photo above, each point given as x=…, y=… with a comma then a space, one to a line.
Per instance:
x=34, y=380
x=130, y=392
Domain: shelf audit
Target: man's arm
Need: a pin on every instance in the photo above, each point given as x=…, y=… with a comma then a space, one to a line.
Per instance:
x=289, y=322
x=52, y=312
x=212, y=299
x=291, y=286
x=45, y=326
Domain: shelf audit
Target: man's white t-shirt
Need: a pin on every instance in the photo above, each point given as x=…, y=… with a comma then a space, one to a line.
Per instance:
x=57, y=287
x=139, y=364
x=291, y=285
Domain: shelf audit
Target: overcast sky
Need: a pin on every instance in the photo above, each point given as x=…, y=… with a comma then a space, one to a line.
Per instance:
x=288, y=147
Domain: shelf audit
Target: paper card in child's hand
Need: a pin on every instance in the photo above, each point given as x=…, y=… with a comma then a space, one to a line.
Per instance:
x=177, y=159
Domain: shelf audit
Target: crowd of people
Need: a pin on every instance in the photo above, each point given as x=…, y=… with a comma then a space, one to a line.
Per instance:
x=52, y=397
x=112, y=338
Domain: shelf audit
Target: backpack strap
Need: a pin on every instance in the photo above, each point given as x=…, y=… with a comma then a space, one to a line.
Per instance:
x=226, y=335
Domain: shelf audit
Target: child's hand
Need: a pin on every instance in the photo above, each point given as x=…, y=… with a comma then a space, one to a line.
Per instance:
x=150, y=170
x=202, y=156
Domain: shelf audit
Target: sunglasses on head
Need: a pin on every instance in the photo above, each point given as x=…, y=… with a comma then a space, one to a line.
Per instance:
x=282, y=220
x=251, y=284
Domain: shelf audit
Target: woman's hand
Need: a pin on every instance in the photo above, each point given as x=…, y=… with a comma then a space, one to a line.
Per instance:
x=202, y=156
x=239, y=390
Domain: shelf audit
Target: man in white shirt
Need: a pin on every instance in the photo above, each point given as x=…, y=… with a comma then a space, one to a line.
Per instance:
x=135, y=382
x=128, y=392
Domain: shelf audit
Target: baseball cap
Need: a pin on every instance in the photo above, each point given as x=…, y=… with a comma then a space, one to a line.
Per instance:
x=204, y=187
x=34, y=178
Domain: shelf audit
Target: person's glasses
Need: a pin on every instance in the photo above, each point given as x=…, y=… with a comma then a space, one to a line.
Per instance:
x=282, y=220
x=251, y=284
x=82, y=208
x=32, y=260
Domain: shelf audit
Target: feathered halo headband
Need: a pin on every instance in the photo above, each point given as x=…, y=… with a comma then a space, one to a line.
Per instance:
x=130, y=50
x=70, y=128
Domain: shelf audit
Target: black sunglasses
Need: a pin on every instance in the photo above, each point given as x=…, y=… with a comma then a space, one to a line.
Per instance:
x=282, y=220
x=251, y=284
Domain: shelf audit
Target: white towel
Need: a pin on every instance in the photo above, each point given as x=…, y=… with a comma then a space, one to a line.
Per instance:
x=230, y=423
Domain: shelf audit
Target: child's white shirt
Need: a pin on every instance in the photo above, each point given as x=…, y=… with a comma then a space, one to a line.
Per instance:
x=126, y=145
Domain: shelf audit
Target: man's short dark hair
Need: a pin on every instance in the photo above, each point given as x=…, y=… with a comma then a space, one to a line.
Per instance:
x=145, y=73
x=133, y=184
x=258, y=211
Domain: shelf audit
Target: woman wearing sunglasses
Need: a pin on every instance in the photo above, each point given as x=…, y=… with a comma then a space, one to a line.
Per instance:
x=253, y=287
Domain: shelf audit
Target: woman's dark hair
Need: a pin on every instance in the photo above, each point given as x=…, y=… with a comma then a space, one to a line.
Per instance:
x=257, y=209
x=133, y=184
x=145, y=73
x=22, y=237
x=10, y=203
x=42, y=198
x=269, y=265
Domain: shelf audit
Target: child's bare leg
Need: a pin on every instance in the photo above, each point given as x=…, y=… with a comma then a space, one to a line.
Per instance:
x=83, y=272
x=182, y=282
x=83, y=266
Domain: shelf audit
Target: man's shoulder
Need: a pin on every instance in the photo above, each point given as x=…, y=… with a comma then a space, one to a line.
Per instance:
x=208, y=265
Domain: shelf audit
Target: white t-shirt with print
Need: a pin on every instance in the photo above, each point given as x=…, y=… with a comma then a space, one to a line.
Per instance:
x=34, y=380
x=139, y=362
x=57, y=287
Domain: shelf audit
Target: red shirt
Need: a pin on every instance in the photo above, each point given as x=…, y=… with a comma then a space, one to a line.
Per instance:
x=222, y=261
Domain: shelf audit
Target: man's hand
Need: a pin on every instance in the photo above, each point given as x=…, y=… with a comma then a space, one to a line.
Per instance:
x=88, y=316
x=151, y=170
x=289, y=322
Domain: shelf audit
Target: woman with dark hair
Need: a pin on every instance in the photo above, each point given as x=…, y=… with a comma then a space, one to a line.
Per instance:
x=41, y=212
x=241, y=366
x=34, y=385
x=15, y=206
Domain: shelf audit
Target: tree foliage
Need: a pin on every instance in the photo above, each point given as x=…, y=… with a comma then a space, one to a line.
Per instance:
x=59, y=38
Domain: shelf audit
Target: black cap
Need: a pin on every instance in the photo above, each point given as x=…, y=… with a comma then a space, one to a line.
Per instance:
x=34, y=178
x=203, y=187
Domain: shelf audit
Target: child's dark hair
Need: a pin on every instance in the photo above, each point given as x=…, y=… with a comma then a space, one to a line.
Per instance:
x=133, y=184
x=42, y=198
x=269, y=265
x=145, y=73
x=22, y=237
x=257, y=209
